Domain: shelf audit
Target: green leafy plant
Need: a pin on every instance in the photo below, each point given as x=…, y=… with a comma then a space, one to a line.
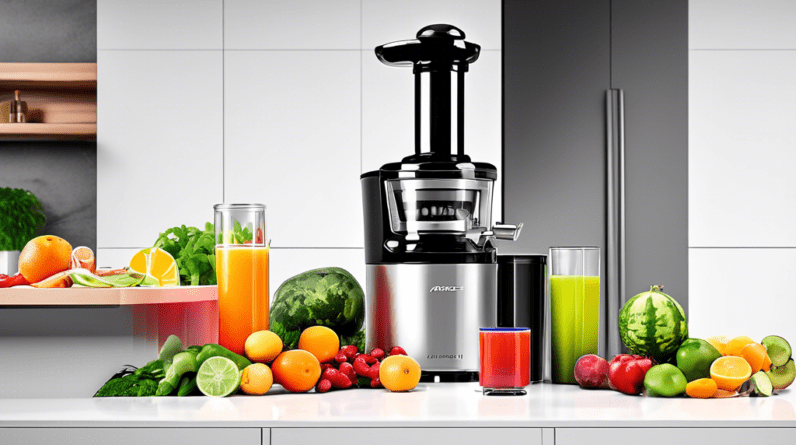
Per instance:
x=194, y=251
x=21, y=218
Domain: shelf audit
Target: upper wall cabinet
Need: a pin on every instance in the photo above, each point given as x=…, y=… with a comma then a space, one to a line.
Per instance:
x=291, y=24
x=388, y=20
x=153, y=24
x=742, y=24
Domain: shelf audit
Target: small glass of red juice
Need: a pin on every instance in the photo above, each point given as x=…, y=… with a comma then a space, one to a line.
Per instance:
x=505, y=360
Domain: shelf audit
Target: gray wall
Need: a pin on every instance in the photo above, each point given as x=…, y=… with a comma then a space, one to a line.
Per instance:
x=63, y=175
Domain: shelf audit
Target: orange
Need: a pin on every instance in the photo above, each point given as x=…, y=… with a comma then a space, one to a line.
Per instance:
x=754, y=354
x=61, y=279
x=719, y=342
x=722, y=394
x=256, y=379
x=83, y=258
x=701, y=388
x=296, y=370
x=730, y=372
x=399, y=373
x=263, y=346
x=321, y=342
x=766, y=363
x=735, y=345
x=44, y=256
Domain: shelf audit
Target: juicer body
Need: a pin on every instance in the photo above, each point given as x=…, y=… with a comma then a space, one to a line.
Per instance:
x=433, y=311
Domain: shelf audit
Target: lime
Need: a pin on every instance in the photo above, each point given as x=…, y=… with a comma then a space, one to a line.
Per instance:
x=218, y=377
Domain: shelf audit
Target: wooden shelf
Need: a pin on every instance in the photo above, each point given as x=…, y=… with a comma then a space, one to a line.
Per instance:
x=81, y=296
x=47, y=131
x=48, y=75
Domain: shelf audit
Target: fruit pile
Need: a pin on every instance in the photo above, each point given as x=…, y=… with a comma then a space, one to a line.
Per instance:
x=350, y=369
x=666, y=363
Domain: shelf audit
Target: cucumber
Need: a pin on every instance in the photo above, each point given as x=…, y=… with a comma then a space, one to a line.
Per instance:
x=763, y=386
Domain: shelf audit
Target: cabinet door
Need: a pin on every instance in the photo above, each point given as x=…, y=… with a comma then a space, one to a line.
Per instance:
x=132, y=436
x=403, y=436
x=679, y=436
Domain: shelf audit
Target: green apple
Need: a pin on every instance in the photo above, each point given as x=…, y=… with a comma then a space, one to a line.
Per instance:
x=695, y=357
x=664, y=381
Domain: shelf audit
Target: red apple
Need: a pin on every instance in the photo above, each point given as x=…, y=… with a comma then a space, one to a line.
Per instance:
x=626, y=373
x=591, y=371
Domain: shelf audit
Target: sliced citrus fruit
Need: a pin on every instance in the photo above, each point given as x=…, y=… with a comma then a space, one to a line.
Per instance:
x=158, y=265
x=218, y=377
x=730, y=372
x=719, y=342
x=83, y=258
x=735, y=345
x=755, y=355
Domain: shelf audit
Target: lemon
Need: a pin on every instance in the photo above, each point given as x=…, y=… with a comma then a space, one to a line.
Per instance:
x=158, y=266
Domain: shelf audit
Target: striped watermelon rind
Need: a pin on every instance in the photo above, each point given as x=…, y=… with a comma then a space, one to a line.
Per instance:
x=653, y=324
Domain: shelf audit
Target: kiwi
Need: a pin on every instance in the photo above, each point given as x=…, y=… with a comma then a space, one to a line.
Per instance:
x=763, y=385
x=782, y=376
x=779, y=350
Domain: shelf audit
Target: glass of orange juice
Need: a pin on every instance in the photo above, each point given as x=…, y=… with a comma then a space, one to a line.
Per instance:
x=242, y=272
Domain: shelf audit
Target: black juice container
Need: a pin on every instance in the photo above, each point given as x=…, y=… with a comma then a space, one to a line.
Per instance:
x=521, y=301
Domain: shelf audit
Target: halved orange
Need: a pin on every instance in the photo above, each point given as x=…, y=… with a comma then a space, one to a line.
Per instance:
x=730, y=372
x=158, y=266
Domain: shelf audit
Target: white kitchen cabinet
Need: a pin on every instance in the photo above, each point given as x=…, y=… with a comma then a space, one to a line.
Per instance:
x=133, y=436
x=742, y=124
x=678, y=436
x=404, y=436
x=285, y=263
x=158, y=24
x=159, y=143
x=725, y=283
x=292, y=133
x=291, y=24
x=741, y=24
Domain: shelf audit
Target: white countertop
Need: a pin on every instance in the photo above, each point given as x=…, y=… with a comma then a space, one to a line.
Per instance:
x=443, y=405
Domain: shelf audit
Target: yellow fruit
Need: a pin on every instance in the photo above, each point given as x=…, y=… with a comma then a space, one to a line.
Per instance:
x=321, y=342
x=399, y=373
x=256, y=379
x=735, y=345
x=755, y=354
x=43, y=257
x=701, y=388
x=263, y=346
x=719, y=342
x=158, y=265
x=296, y=370
x=730, y=372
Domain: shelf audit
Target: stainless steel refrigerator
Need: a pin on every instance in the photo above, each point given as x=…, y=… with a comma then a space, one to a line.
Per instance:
x=595, y=139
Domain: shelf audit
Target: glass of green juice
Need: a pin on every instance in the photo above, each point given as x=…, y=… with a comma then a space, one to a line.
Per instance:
x=574, y=308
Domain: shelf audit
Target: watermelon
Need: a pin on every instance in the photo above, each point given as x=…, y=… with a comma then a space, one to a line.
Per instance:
x=653, y=324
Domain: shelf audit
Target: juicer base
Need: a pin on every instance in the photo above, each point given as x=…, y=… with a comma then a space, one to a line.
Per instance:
x=448, y=376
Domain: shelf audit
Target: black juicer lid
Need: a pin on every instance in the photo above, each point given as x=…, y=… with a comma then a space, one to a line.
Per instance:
x=439, y=58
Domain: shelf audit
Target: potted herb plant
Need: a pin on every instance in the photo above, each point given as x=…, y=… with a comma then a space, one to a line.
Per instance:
x=21, y=217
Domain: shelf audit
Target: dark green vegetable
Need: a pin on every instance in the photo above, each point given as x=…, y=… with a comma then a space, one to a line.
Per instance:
x=170, y=348
x=213, y=350
x=21, y=217
x=183, y=362
x=128, y=386
x=196, y=348
x=329, y=297
x=154, y=370
x=187, y=384
x=194, y=251
x=357, y=340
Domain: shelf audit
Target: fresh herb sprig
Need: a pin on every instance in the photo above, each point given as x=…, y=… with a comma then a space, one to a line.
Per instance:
x=21, y=218
x=194, y=251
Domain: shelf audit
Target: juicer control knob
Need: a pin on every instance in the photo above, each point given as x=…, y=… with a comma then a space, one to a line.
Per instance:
x=441, y=31
x=509, y=232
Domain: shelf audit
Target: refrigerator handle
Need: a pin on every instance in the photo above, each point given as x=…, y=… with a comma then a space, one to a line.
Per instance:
x=615, y=219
